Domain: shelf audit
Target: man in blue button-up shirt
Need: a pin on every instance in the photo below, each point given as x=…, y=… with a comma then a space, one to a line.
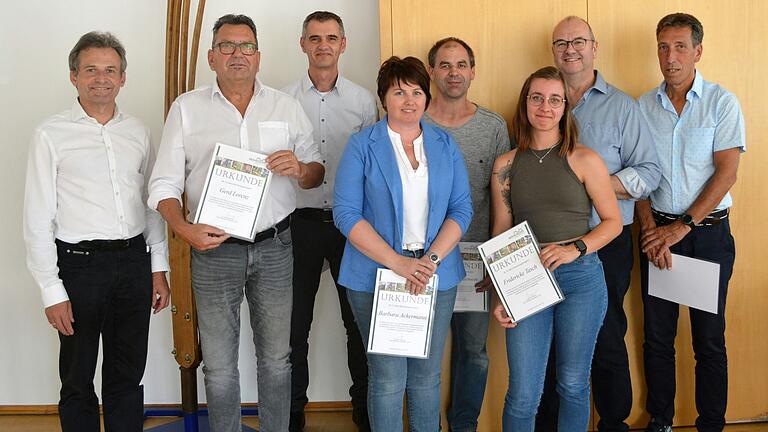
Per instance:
x=699, y=133
x=611, y=124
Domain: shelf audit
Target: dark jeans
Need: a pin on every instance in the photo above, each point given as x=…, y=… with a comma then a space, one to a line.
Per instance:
x=111, y=297
x=712, y=243
x=611, y=385
x=314, y=241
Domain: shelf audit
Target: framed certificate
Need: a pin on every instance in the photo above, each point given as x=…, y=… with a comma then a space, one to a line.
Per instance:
x=467, y=299
x=401, y=323
x=234, y=191
x=523, y=284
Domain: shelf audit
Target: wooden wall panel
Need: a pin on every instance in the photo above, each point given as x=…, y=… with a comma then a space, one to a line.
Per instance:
x=511, y=39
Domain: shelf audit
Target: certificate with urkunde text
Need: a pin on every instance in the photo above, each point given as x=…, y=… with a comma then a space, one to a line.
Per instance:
x=235, y=190
x=467, y=298
x=523, y=284
x=401, y=323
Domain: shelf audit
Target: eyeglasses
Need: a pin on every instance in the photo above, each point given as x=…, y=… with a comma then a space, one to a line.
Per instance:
x=227, y=48
x=537, y=100
x=578, y=44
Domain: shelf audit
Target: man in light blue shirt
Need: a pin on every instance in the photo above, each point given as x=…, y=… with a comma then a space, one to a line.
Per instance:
x=337, y=108
x=699, y=134
x=611, y=124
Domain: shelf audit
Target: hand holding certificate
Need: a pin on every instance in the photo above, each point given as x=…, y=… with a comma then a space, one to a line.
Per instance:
x=234, y=191
x=401, y=323
x=522, y=283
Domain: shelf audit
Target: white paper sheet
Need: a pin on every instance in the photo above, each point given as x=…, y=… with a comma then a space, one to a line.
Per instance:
x=691, y=282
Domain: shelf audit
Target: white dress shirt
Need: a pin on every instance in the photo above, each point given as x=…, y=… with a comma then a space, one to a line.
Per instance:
x=335, y=116
x=87, y=181
x=202, y=117
x=415, y=190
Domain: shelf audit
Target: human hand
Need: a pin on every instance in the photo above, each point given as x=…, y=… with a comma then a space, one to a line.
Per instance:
x=61, y=318
x=285, y=163
x=501, y=316
x=161, y=293
x=484, y=285
x=202, y=237
x=663, y=237
x=416, y=272
x=554, y=255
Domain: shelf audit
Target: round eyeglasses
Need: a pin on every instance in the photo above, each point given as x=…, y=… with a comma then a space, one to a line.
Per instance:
x=538, y=99
x=578, y=44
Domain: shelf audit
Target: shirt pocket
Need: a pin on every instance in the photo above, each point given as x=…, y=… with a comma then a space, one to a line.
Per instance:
x=273, y=136
x=698, y=144
x=606, y=141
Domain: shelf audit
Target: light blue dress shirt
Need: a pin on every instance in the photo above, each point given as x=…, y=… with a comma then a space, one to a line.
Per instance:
x=610, y=123
x=711, y=121
x=335, y=116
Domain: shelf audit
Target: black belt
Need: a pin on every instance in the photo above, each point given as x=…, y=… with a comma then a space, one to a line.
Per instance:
x=278, y=228
x=416, y=253
x=315, y=214
x=714, y=218
x=111, y=245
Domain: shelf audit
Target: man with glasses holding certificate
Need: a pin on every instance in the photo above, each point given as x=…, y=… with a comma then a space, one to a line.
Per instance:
x=238, y=110
x=611, y=124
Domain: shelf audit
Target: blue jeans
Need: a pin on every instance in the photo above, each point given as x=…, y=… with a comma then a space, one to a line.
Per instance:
x=469, y=369
x=221, y=277
x=572, y=325
x=389, y=377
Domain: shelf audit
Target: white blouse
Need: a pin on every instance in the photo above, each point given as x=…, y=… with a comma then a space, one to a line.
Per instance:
x=415, y=196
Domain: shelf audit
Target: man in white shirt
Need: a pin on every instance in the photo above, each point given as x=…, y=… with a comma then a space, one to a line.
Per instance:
x=238, y=110
x=98, y=254
x=337, y=109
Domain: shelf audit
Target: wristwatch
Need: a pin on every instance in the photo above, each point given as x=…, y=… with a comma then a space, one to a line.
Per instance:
x=688, y=220
x=435, y=258
x=581, y=246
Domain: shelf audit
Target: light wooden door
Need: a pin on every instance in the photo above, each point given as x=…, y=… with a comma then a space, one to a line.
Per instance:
x=511, y=39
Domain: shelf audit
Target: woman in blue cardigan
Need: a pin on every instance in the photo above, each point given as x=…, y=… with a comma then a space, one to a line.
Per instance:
x=402, y=199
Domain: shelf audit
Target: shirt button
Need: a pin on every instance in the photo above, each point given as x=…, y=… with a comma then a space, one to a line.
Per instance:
x=325, y=182
x=322, y=100
x=322, y=120
x=323, y=140
x=323, y=160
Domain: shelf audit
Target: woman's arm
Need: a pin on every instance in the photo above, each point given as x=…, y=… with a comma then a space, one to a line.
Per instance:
x=590, y=169
x=501, y=209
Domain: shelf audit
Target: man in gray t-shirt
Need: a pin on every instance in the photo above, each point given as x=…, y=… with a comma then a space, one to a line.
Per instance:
x=482, y=136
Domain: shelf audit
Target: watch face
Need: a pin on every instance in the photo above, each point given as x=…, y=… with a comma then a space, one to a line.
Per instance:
x=688, y=219
x=434, y=258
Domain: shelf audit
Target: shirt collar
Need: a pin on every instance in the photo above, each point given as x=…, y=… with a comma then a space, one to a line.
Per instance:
x=696, y=89
x=306, y=84
x=599, y=85
x=215, y=89
x=78, y=113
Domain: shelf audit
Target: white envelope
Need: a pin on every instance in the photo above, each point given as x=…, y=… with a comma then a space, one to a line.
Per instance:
x=691, y=282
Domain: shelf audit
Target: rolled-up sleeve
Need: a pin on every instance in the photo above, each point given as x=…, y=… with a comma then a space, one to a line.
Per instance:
x=460, y=201
x=167, y=179
x=641, y=173
x=349, y=192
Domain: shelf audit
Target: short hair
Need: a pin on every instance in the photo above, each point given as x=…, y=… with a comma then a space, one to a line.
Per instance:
x=233, y=19
x=96, y=39
x=396, y=70
x=439, y=44
x=578, y=18
x=321, y=16
x=683, y=20
x=522, y=130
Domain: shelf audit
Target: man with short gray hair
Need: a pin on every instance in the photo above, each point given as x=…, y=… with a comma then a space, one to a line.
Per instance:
x=337, y=108
x=699, y=134
x=98, y=254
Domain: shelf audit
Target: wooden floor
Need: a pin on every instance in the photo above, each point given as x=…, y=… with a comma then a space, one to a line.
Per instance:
x=316, y=422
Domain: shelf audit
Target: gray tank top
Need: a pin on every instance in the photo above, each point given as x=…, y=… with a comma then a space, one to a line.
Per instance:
x=549, y=196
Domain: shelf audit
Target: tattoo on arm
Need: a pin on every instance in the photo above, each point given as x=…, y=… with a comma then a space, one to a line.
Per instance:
x=504, y=179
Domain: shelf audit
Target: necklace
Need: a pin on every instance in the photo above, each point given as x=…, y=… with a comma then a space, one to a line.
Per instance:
x=541, y=158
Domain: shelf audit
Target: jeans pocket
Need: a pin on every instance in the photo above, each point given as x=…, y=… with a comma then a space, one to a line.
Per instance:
x=284, y=238
x=70, y=257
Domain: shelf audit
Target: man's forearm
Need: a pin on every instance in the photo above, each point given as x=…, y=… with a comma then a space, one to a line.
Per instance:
x=313, y=175
x=170, y=209
x=619, y=189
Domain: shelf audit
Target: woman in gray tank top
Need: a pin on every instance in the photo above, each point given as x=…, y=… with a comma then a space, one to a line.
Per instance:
x=552, y=182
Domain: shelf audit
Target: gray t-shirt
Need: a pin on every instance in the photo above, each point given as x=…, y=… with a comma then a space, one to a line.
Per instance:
x=482, y=139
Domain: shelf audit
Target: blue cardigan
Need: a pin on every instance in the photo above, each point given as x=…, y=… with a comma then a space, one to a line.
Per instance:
x=368, y=187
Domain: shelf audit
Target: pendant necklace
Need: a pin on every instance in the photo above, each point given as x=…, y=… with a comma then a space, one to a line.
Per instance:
x=541, y=158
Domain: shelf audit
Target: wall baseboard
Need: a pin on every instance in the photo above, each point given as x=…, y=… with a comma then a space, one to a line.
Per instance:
x=328, y=406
